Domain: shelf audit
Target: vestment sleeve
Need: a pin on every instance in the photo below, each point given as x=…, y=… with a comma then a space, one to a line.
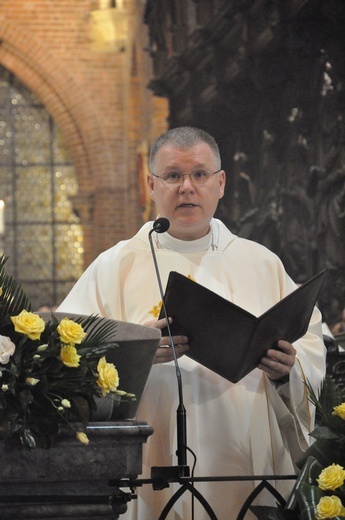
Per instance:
x=292, y=409
x=96, y=291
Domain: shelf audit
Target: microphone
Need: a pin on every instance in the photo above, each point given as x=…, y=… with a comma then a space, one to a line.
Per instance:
x=161, y=225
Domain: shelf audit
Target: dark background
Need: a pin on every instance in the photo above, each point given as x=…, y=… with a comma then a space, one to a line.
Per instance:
x=266, y=78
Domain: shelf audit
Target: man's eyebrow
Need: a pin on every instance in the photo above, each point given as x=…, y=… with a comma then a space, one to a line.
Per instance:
x=195, y=167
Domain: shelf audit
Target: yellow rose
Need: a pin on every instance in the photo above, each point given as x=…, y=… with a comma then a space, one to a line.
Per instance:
x=331, y=477
x=28, y=323
x=83, y=438
x=339, y=410
x=70, y=332
x=108, y=377
x=69, y=356
x=329, y=507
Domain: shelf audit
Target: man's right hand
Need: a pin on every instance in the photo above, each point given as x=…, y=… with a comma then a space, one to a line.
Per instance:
x=164, y=352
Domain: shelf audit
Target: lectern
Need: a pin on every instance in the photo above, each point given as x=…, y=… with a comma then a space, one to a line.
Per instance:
x=71, y=480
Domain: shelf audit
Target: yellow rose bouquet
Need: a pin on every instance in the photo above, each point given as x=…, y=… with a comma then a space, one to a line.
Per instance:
x=319, y=492
x=50, y=371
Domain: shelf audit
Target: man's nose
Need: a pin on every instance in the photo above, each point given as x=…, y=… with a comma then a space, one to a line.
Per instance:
x=187, y=183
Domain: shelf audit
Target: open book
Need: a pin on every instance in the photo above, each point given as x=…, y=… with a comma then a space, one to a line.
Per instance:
x=226, y=338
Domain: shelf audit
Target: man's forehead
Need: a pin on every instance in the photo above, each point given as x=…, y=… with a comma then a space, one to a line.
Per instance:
x=172, y=155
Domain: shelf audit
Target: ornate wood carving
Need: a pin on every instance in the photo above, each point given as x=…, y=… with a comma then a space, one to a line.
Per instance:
x=267, y=79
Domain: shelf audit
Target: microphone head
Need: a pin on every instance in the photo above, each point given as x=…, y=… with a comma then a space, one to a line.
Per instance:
x=161, y=225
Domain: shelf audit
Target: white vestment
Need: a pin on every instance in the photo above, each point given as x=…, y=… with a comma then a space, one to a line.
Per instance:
x=249, y=428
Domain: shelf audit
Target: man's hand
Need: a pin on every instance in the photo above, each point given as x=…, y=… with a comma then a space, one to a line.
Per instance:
x=164, y=352
x=278, y=363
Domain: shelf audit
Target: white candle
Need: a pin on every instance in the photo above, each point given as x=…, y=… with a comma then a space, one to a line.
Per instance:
x=2, y=217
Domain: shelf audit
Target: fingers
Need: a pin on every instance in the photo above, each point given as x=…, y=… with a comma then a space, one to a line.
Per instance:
x=278, y=363
x=165, y=353
x=178, y=340
x=157, y=324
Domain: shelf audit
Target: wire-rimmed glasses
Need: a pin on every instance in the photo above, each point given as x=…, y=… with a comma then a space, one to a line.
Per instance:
x=175, y=178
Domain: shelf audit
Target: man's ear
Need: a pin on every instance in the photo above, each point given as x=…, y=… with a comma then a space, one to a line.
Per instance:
x=222, y=182
x=150, y=183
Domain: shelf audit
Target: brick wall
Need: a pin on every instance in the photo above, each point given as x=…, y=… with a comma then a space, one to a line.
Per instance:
x=99, y=100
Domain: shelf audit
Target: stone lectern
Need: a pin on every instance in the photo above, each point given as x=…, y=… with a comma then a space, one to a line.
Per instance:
x=71, y=480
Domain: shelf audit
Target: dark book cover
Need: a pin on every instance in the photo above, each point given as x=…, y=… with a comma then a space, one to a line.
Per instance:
x=226, y=338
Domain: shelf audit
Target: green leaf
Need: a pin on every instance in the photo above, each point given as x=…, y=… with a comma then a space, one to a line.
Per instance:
x=330, y=395
x=325, y=452
x=325, y=432
x=27, y=438
x=308, y=498
x=101, y=333
x=310, y=471
x=13, y=299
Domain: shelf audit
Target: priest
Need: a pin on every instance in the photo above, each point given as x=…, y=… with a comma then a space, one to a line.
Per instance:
x=257, y=426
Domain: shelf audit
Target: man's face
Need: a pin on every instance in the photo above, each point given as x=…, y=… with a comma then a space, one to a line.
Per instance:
x=188, y=207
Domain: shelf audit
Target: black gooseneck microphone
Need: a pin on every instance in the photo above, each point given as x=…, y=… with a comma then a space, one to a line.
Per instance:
x=161, y=225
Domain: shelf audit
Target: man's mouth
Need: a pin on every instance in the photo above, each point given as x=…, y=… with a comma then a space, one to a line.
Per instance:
x=186, y=205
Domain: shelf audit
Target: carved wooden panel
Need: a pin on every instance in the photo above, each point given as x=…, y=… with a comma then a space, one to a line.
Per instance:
x=267, y=80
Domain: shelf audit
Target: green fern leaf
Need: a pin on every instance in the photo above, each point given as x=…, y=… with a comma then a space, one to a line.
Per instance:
x=13, y=298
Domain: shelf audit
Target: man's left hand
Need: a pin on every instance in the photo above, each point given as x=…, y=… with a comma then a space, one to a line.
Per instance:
x=278, y=363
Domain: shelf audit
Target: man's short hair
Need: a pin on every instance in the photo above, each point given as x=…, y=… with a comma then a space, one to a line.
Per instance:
x=183, y=137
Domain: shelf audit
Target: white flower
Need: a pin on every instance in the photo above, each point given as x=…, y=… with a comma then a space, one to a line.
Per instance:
x=31, y=381
x=41, y=348
x=4, y=388
x=7, y=349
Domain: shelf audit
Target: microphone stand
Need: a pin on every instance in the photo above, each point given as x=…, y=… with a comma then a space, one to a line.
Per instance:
x=181, y=452
x=162, y=475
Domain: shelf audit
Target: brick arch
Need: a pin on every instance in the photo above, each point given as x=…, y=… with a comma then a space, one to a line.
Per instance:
x=39, y=70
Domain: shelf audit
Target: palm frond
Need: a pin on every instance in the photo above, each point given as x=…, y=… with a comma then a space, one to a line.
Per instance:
x=330, y=395
x=99, y=330
x=100, y=336
x=13, y=298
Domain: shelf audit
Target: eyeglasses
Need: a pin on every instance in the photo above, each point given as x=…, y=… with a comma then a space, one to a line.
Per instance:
x=199, y=177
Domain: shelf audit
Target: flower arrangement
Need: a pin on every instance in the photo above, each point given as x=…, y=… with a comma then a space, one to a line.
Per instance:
x=319, y=492
x=50, y=372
